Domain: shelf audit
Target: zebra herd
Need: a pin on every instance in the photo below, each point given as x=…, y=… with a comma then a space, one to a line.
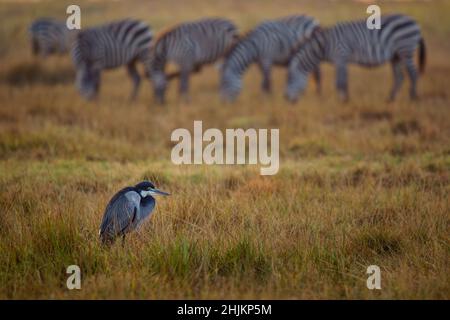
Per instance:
x=297, y=42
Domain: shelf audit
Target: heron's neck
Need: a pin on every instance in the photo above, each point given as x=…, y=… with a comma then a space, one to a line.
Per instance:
x=148, y=201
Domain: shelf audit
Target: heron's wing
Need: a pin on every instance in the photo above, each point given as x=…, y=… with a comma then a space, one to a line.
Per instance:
x=120, y=213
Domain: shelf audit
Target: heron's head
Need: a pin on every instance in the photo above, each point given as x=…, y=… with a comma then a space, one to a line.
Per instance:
x=146, y=188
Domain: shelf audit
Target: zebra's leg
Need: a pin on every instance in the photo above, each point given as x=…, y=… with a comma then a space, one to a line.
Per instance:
x=266, y=84
x=184, y=84
x=96, y=80
x=412, y=72
x=318, y=79
x=44, y=51
x=132, y=71
x=35, y=47
x=341, y=80
x=397, y=65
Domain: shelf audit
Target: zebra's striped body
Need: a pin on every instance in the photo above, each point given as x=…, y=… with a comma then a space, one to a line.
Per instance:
x=190, y=46
x=271, y=43
x=120, y=43
x=49, y=36
x=352, y=42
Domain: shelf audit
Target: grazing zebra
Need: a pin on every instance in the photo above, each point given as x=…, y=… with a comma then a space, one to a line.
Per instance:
x=110, y=46
x=50, y=36
x=190, y=46
x=271, y=43
x=353, y=42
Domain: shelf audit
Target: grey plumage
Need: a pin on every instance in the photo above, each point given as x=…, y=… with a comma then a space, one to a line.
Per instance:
x=353, y=42
x=109, y=46
x=190, y=46
x=127, y=210
x=270, y=43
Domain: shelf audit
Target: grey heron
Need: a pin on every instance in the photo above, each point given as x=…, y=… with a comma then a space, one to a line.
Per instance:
x=127, y=210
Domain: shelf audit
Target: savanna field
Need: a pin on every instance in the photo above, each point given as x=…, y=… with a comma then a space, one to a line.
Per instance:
x=360, y=183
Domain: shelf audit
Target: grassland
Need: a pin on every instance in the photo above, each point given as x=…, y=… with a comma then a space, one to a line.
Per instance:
x=360, y=183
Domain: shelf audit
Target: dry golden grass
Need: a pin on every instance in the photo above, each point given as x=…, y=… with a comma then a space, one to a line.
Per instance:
x=360, y=183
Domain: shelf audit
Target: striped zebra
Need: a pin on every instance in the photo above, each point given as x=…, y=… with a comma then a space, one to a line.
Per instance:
x=110, y=46
x=49, y=36
x=270, y=43
x=352, y=42
x=190, y=46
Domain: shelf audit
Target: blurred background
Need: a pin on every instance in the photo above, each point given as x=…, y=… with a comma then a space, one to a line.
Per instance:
x=360, y=183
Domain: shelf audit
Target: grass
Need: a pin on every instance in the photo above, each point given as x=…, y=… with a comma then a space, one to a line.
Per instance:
x=359, y=184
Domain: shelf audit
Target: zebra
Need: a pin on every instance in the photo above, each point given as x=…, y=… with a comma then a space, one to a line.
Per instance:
x=271, y=43
x=352, y=42
x=110, y=46
x=189, y=45
x=49, y=36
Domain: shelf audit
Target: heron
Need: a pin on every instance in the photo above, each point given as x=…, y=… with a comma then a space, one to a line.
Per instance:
x=127, y=210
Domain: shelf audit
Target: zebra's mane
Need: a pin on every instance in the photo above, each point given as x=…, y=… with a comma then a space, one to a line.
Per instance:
x=316, y=31
x=166, y=31
x=238, y=39
x=244, y=36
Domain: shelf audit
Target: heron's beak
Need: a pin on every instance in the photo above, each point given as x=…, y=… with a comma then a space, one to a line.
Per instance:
x=159, y=192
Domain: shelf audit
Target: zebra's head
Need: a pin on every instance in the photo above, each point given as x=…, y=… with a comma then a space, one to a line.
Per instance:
x=296, y=83
x=230, y=85
x=159, y=85
x=87, y=82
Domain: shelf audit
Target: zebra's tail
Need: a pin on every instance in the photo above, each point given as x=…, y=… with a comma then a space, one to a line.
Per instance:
x=422, y=55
